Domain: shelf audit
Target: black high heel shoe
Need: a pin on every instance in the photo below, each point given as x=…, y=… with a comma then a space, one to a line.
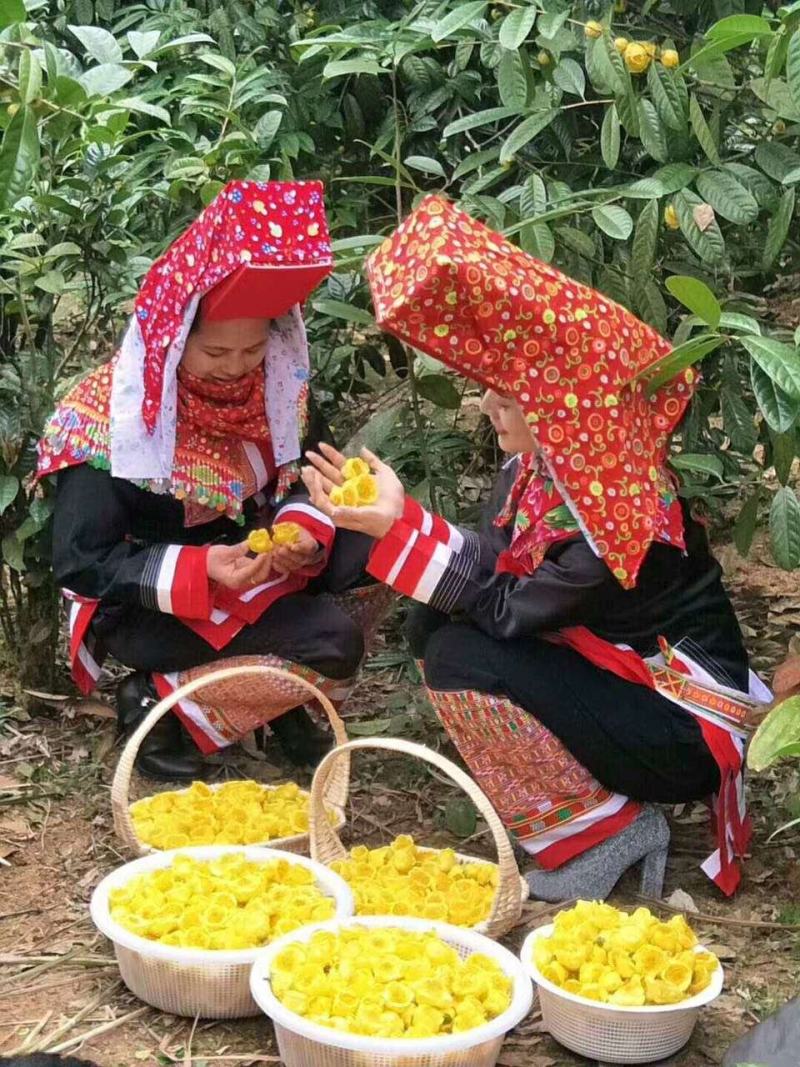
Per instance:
x=166, y=753
x=301, y=740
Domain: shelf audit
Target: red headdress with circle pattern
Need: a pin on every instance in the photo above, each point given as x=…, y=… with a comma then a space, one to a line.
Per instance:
x=574, y=360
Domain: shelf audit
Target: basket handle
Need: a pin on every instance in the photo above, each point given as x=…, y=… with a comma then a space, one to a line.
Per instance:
x=337, y=787
x=326, y=844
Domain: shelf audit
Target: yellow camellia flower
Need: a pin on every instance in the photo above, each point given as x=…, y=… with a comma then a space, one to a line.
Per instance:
x=671, y=218
x=238, y=813
x=593, y=29
x=367, y=489
x=637, y=57
x=285, y=533
x=362, y=997
x=228, y=903
x=670, y=58
x=259, y=541
x=621, y=43
x=603, y=954
x=403, y=879
x=354, y=468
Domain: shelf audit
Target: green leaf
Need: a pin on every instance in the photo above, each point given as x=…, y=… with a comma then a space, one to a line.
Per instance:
x=478, y=118
x=569, y=76
x=737, y=420
x=51, y=282
x=14, y=552
x=265, y=129
x=732, y=320
x=368, y=727
x=667, y=97
x=644, y=189
x=221, y=63
x=778, y=408
x=728, y=197
x=650, y=304
x=777, y=96
x=537, y=240
x=525, y=132
x=440, y=390
x=674, y=176
x=613, y=220
x=101, y=45
x=697, y=297
x=135, y=103
x=29, y=77
x=783, y=452
x=532, y=198
x=425, y=164
x=456, y=19
x=784, y=528
x=652, y=132
x=338, y=67
x=645, y=239
x=104, y=79
x=9, y=487
x=778, y=731
x=746, y=522
x=550, y=23
x=681, y=357
x=337, y=309
x=604, y=72
x=610, y=137
x=512, y=81
x=779, y=361
x=184, y=168
x=697, y=463
x=702, y=131
x=708, y=243
x=19, y=157
x=735, y=25
x=793, y=66
x=776, y=159
x=11, y=12
x=778, y=228
x=516, y=26
x=143, y=43
x=460, y=817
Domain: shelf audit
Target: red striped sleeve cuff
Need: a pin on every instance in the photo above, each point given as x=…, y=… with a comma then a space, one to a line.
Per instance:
x=409, y=561
x=175, y=581
x=415, y=516
x=310, y=519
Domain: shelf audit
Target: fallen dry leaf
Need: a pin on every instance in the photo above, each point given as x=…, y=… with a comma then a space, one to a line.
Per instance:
x=7, y=782
x=703, y=215
x=96, y=708
x=682, y=900
x=722, y=952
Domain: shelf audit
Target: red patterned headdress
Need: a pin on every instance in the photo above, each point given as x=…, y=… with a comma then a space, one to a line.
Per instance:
x=450, y=287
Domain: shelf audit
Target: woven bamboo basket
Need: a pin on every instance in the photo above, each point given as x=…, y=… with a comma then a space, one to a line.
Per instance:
x=335, y=796
x=326, y=845
x=192, y=981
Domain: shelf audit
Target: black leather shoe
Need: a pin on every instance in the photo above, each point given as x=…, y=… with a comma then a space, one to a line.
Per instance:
x=166, y=753
x=301, y=740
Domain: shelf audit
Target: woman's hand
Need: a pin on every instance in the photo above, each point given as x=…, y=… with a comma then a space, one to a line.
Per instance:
x=376, y=519
x=230, y=565
x=286, y=559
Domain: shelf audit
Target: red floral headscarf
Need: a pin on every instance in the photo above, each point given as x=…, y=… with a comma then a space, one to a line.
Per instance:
x=571, y=358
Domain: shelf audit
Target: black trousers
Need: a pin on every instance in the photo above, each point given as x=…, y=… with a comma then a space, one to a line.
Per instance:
x=304, y=627
x=632, y=739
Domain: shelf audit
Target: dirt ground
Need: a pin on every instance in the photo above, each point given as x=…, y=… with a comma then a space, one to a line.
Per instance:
x=59, y=987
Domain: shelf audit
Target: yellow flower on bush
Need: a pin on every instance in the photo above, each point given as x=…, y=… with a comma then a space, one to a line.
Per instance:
x=603, y=954
x=227, y=903
x=403, y=879
x=637, y=57
x=238, y=813
x=442, y=994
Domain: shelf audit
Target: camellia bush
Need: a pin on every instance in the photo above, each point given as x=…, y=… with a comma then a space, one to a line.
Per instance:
x=652, y=151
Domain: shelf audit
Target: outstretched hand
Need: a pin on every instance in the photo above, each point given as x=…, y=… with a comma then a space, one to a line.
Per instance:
x=376, y=519
x=230, y=565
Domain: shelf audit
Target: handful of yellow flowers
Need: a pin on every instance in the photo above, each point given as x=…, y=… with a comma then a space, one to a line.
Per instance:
x=384, y=982
x=402, y=879
x=237, y=813
x=283, y=533
x=601, y=953
x=226, y=903
x=359, y=488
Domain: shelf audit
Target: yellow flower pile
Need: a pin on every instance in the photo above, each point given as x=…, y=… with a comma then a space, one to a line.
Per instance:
x=238, y=813
x=283, y=533
x=402, y=879
x=601, y=953
x=388, y=983
x=359, y=488
x=226, y=903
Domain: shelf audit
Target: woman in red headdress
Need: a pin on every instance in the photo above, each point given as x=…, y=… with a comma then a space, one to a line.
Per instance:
x=579, y=648
x=166, y=457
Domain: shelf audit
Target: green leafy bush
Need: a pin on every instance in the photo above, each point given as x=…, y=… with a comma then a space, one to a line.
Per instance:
x=653, y=153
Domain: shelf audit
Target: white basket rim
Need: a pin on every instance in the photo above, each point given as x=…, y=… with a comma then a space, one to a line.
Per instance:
x=521, y=998
x=271, y=842
x=330, y=883
x=711, y=992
